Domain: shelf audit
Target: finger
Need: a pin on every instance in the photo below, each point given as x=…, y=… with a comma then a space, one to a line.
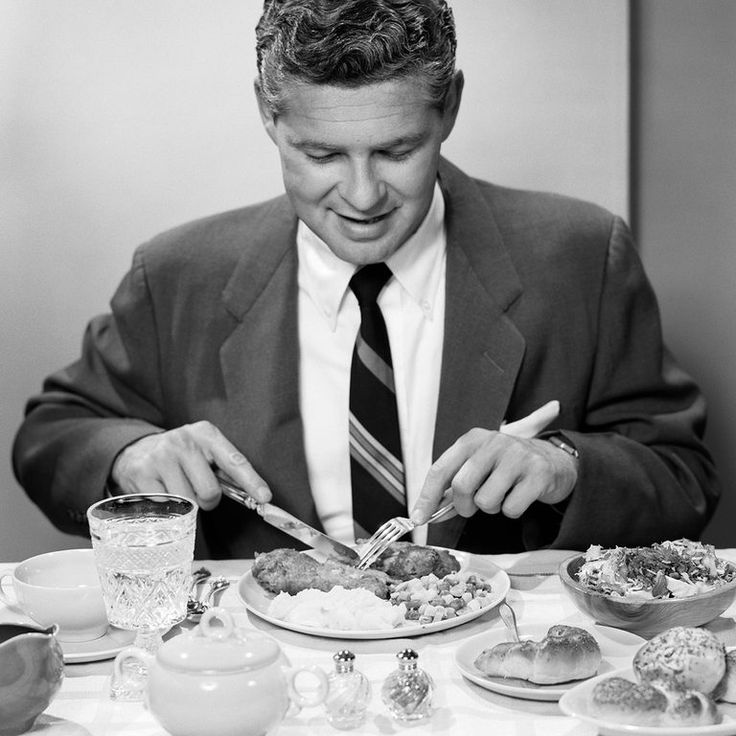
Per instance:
x=520, y=498
x=534, y=423
x=437, y=482
x=536, y=474
x=219, y=451
x=202, y=480
x=143, y=484
x=175, y=481
x=500, y=482
x=488, y=474
x=229, y=459
x=471, y=477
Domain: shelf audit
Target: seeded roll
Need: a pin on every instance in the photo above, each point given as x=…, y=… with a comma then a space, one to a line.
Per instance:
x=726, y=689
x=684, y=658
x=619, y=700
x=622, y=701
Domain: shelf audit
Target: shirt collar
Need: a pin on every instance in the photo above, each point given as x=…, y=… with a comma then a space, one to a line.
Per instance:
x=416, y=265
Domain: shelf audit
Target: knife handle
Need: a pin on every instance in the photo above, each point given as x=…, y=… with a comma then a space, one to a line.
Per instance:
x=237, y=494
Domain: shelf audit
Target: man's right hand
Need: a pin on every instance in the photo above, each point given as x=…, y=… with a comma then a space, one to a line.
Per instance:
x=181, y=461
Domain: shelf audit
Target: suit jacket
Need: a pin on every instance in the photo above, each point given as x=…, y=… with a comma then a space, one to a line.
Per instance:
x=545, y=299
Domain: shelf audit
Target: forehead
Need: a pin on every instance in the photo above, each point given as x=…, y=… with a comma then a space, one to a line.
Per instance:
x=374, y=111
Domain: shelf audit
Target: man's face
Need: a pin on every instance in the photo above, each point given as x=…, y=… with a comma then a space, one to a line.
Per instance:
x=359, y=164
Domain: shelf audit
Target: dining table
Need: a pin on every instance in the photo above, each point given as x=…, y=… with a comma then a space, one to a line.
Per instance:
x=82, y=707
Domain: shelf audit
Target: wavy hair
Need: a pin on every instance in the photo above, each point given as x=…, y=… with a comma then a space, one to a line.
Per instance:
x=354, y=42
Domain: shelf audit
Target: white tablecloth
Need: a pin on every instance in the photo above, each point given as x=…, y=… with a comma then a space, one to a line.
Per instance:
x=82, y=706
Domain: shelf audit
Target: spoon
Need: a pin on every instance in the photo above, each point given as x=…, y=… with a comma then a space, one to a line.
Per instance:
x=198, y=576
x=509, y=618
x=198, y=607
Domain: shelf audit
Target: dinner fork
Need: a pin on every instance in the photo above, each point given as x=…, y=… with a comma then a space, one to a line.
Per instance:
x=528, y=426
x=390, y=531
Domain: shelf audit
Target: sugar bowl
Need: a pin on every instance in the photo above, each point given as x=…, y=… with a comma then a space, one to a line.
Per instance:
x=221, y=680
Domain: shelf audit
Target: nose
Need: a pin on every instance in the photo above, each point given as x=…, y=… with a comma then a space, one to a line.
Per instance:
x=362, y=187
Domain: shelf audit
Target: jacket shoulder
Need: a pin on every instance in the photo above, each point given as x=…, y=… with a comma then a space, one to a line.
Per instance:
x=526, y=217
x=217, y=238
x=540, y=210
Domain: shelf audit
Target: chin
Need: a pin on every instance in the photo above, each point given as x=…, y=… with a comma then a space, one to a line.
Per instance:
x=361, y=254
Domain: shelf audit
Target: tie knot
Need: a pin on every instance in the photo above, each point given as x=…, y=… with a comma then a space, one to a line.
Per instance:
x=368, y=281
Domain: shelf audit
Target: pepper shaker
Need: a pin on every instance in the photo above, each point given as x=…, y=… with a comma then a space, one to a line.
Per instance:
x=348, y=694
x=407, y=691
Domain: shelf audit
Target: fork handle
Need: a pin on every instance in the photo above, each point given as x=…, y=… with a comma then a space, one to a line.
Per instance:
x=441, y=512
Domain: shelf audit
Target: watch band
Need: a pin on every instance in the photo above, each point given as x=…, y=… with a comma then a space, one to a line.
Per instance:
x=560, y=442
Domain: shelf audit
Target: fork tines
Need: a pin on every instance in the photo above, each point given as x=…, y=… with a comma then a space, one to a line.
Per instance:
x=385, y=535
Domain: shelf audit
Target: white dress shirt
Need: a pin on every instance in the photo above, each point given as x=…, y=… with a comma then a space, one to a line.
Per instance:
x=413, y=306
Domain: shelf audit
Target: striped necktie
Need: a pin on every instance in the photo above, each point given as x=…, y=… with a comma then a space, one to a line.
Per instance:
x=376, y=466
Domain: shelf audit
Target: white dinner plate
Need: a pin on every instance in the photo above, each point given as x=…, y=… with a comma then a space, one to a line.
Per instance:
x=618, y=648
x=576, y=703
x=257, y=600
x=104, y=647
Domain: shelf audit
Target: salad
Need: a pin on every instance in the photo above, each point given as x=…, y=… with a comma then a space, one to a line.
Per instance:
x=671, y=569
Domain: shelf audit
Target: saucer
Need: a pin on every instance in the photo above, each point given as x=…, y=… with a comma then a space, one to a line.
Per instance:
x=104, y=647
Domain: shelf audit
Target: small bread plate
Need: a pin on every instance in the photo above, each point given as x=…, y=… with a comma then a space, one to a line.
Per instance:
x=257, y=600
x=617, y=650
x=576, y=703
x=95, y=650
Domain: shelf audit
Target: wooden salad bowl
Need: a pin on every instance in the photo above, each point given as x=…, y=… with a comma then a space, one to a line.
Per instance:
x=645, y=617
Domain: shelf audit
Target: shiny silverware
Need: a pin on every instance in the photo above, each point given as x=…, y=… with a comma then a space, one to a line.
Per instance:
x=198, y=576
x=200, y=605
x=392, y=530
x=288, y=523
x=509, y=618
x=528, y=426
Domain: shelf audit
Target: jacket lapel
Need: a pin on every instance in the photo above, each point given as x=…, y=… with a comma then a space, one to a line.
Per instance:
x=482, y=349
x=260, y=361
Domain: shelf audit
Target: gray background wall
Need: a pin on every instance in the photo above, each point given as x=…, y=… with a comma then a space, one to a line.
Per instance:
x=120, y=119
x=685, y=195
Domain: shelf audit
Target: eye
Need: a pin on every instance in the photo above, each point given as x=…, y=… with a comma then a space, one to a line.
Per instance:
x=321, y=158
x=397, y=155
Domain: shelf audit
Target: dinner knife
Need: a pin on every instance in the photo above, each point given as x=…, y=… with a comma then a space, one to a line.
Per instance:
x=288, y=523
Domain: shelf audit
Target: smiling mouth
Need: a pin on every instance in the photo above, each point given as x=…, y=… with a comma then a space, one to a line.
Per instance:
x=365, y=220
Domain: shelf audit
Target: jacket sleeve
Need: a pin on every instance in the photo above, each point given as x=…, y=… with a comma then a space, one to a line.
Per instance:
x=89, y=411
x=644, y=474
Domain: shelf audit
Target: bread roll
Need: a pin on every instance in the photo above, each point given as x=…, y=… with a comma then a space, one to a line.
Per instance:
x=683, y=658
x=566, y=653
x=690, y=708
x=622, y=701
x=726, y=689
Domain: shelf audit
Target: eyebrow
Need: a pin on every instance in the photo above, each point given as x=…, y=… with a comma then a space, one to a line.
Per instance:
x=313, y=143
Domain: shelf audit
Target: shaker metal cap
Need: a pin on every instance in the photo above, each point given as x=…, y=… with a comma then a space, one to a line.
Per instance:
x=407, y=655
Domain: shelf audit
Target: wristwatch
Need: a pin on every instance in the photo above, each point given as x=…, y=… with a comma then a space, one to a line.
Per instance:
x=559, y=441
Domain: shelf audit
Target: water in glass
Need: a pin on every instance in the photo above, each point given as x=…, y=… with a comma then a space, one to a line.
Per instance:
x=144, y=551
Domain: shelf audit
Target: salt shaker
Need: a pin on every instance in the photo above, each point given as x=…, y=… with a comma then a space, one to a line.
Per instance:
x=407, y=691
x=348, y=694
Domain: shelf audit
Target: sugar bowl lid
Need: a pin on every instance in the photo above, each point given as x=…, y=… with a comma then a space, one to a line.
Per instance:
x=218, y=646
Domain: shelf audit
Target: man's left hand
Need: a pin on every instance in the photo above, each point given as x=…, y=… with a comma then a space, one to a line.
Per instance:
x=500, y=471
x=493, y=471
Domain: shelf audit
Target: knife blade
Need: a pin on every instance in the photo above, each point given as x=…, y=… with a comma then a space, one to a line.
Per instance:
x=288, y=523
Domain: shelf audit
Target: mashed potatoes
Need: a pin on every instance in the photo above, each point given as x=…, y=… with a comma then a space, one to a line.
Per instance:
x=357, y=609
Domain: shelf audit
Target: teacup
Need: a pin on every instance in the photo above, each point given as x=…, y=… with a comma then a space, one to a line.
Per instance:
x=60, y=588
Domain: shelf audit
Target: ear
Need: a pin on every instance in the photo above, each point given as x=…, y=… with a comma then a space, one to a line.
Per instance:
x=267, y=117
x=452, y=104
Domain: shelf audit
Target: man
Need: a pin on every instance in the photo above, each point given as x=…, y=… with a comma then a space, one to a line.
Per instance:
x=354, y=349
